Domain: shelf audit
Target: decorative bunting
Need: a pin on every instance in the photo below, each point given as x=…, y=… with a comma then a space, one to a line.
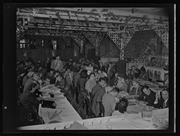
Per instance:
x=162, y=32
x=93, y=10
x=104, y=10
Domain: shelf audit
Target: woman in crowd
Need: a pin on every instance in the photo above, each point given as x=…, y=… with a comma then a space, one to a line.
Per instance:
x=143, y=74
x=129, y=74
x=135, y=88
x=121, y=84
x=121, y=107
x=46, y=81
x=109, y=101
x=30, y=80
x=91, y=82
x=26, y=76
x=60, y=82
x=166, y=79
x=148, y=96
x=68, y=75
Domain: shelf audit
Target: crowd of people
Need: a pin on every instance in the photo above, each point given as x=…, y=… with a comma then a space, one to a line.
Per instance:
x=94, y=90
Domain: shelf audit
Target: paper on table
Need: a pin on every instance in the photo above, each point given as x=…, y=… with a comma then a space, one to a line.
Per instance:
x=76, y=126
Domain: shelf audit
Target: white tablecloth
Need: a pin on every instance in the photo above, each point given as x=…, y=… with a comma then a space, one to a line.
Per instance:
x=103, y=123
x=65, y=110
x=124, y=121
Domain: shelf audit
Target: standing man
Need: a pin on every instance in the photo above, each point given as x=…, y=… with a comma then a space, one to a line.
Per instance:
x=109, y=101
x=97, y=94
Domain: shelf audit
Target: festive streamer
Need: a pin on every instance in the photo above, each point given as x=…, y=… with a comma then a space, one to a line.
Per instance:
x=163, y=33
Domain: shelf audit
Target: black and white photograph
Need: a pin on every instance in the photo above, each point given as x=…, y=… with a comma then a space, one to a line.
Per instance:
x=90, y=67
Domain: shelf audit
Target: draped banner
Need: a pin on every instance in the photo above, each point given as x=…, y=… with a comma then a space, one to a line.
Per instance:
x=163, y=33
x=94, y=39
x=79, y=40
x=91, y=37
x=121, y=40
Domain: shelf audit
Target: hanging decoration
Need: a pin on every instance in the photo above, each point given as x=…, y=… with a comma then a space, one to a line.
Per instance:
x=163, y=33
x=104, y=10
x=91, y=37
x=122, y=39
x=93, y=10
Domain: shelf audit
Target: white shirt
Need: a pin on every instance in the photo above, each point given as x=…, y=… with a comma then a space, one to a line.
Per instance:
x=165, y=103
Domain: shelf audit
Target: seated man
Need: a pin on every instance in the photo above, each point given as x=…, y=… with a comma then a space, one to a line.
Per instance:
x=162, y=99
x=109, y=101
x=29, y=99
x=148, y=96
x=121, y=107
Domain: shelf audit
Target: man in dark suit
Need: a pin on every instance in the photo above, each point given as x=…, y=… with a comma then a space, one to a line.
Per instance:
x=165, y=96
x=148, y=96
x=162, y=100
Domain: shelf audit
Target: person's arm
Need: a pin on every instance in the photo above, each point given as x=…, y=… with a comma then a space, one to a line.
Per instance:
x=87, y=86
x=27, y=84
x=141, y=97
x=113, y=104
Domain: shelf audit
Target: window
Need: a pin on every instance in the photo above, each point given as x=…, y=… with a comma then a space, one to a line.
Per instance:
x=54, y=44
x=22, y=43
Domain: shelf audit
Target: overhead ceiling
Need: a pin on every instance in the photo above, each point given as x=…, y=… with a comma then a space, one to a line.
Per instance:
x=92, y=19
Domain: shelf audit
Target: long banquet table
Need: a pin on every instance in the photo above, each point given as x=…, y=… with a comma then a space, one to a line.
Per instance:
x=63, y=111
x=69, y=119
x=121, y=122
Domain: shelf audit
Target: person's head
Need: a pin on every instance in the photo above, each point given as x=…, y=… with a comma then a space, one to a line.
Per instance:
x=135, y=83
x=32, y=87
x=92, y=76
x=109, y=88
x=133, y=67
x=99, y=71
x=103, y=81
x=126, y=80
x=153, y=59
x=143, y=69
x=52, y=80
x=95, y=69
x=58, y=57
x=122, y=105
x=146, y=90
x=56, y=73
x=40, y=74
x=83, y=74
x=166, y=76
x=115, y=91
x=128, y=71
x=30, y=73
x=165, y=94
x=59, y=77
x=35, y=76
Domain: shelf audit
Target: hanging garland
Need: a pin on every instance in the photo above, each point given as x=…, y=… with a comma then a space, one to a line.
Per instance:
x=163, y=33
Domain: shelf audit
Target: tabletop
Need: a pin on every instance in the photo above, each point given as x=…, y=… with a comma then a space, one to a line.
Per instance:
x=63, y=112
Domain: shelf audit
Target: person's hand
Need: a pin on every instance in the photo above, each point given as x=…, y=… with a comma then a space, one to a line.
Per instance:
x=40, y=81
x=117, y=100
